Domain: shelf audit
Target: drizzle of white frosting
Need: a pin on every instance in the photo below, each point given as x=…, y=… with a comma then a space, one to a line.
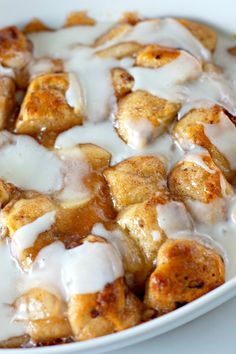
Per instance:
x=196, y=157
x=167, y=32
x=74, y=94
x=208, y=213
x=9, y=275
x=115, y=237
x=110, y=141
x=223, y=136
x=165, y=82
x=61, y=172
x=40, y=66
x=95, y=78
x=6, y=71
x=174, y=81
x=223, y=232
x=194, y=104
x=156, y=235
x=29, y=165
x=141, y=132
x=53, y=44
x=26, y=236
x=172, y=217
x=211, y=87
x=88, y=268
x=74, y=170
x=82, y=270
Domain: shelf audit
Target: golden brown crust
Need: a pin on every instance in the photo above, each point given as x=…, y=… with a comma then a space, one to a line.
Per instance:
x=132, y=18
x=25, y=210
x=36, y=25
x=109, y=311
x=155, y=56
x=232, y=50
x=14, y=48
x=45, y=108
x=123, y=198
x=135, y=180
x=7, y=192
x=7, y=100
x=21, y=212
x=79, y=18
x=97, y=157
x=189, y=180
x=120, y=50
x=122, y=82
x=44, y=314
x=140, y=220
x=15, y=342
x=139, y=105
x=73, y=221
x=205, y=34
x=112, y=33
x=190, y=130
x=185, y=271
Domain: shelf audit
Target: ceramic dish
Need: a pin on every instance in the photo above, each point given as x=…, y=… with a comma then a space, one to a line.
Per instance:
x=53, y=13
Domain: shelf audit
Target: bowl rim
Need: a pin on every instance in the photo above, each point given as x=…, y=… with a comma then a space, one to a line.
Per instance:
x=145, y=330
x=159, y=325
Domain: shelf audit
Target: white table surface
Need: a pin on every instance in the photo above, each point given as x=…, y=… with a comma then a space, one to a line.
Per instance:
x=213, y=333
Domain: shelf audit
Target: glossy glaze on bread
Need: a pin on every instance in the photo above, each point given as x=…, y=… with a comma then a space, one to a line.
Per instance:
x=117, y=174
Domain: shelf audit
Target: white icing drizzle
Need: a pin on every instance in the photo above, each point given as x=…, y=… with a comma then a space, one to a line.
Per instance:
x=110, y=141
x=167, y=32
x=74, y=94
x=60, y=173
x=174, y=81
x=156, y=235
x=166, y=81
x=141, y=132
x=94, y=75
x=92, y=71
x=208, y=213
x=211, y=87
x=80, y=270
x=115, y=237
x=172, y=217
x=40, y=66
x=196, y=157
x=223, y=136
x=6, y=71
x=212, y=211
x=74, y=170
x=53, y=44
x=26, y=236
x=84, y=269
x=29, y=165
x=194, y=104
x=88, y=268
x=9, y=275
x=223, y=232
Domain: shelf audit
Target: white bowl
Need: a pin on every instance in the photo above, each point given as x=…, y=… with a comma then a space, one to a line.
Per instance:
x=53, y=12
